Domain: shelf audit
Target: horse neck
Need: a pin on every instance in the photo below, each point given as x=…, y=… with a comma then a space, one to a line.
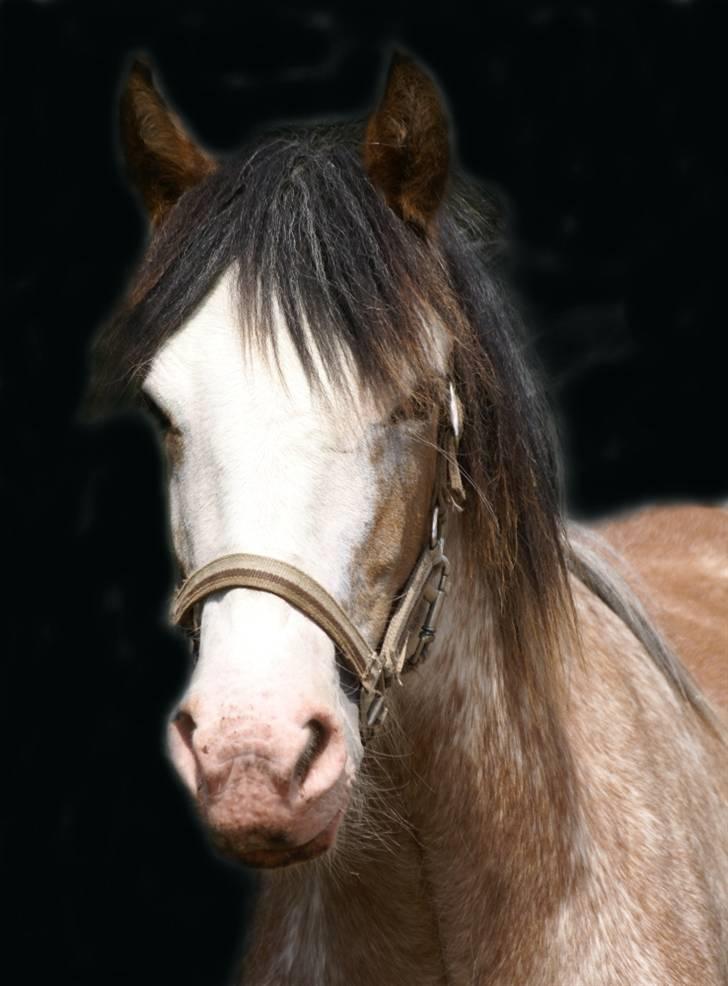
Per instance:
x=463, y=710
x=463, y=774
x=497, y=782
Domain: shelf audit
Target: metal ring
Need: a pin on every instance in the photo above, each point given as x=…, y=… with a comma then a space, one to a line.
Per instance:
x=454, y=412
x=434, y=529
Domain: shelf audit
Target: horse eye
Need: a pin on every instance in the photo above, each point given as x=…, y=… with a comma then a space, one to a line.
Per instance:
x=398, y=414
x=417, y=407
x=152, y=408
x=171, y=435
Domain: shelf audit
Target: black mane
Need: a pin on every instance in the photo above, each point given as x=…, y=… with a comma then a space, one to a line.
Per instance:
x=298, y=216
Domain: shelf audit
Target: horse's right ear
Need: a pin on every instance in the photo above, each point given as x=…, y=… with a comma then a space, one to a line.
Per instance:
x=163, y=161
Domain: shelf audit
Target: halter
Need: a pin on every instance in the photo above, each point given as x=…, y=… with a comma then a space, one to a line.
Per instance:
x=413, y=622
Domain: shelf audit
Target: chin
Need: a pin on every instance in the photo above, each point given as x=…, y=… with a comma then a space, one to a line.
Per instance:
x=281, y=852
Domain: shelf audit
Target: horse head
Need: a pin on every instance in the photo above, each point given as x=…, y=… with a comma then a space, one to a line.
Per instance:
x=293, y=437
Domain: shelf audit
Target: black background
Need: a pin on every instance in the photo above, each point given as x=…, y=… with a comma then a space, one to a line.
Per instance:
x=603, y=126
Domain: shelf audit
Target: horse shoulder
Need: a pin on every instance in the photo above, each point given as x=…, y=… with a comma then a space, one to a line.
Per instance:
x=680, y=557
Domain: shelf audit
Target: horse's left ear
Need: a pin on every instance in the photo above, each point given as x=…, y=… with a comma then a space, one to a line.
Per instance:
x=162, y=159
x=407, y=146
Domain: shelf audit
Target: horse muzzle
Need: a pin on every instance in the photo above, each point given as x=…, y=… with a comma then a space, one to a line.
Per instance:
x=270, y=793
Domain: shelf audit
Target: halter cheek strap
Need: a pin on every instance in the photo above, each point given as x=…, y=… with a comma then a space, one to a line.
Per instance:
x=406, y=640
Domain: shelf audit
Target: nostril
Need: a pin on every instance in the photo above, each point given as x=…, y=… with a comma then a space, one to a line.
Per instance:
x=318, y=739
x=185, y=726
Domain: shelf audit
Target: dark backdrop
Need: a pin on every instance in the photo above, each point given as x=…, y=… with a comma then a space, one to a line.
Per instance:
x=602, y=124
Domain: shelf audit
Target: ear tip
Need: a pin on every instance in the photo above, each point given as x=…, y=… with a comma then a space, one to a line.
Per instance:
x=141, y=68
x=402, y=62
x=407, y=71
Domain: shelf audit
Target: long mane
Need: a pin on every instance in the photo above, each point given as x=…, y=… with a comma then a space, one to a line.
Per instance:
x=297, y=216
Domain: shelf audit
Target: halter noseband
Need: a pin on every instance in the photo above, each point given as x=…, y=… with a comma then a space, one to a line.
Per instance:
x=406, y=641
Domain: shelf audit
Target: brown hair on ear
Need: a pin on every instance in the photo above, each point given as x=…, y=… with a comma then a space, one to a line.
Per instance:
x=406, y=145
x=162, y=160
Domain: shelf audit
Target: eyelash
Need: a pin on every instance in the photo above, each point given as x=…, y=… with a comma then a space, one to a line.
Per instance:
x=152, y=408
x=171, y=435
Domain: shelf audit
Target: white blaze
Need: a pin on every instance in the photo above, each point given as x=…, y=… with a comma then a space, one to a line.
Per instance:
x=268, y=469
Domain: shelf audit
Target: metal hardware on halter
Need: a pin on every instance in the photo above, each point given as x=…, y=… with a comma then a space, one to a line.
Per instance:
x=435, y=596
x=435, y=527
x=386, y=666
x=427, y=585
x=456, y=422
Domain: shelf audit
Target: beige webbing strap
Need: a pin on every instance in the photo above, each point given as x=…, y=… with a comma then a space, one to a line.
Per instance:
x=290, y=583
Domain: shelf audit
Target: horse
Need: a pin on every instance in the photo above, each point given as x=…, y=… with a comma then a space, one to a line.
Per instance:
x=450, y=729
